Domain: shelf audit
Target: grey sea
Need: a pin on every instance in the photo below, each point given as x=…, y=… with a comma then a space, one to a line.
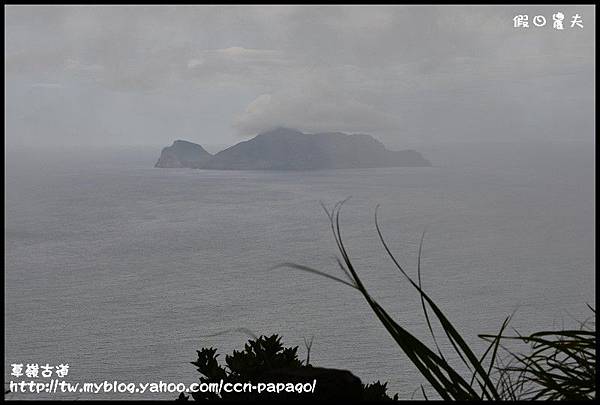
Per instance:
x=123, y=271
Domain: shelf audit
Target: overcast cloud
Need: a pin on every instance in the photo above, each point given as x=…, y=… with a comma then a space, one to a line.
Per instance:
x=217, y=74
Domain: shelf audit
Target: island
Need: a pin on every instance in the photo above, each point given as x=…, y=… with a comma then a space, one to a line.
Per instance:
x=290, y=149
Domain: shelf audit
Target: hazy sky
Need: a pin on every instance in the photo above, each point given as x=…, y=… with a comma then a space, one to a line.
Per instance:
x=110, y=75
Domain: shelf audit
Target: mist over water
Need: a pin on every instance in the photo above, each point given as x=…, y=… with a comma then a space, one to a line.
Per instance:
x=118, y=268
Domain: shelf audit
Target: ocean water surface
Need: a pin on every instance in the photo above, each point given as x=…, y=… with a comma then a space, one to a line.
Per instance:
x=123, y=270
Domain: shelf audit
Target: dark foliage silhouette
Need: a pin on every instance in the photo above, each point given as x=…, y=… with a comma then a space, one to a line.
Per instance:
x=266, y=359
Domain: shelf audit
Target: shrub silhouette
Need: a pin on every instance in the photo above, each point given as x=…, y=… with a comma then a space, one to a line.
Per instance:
x=266, y=359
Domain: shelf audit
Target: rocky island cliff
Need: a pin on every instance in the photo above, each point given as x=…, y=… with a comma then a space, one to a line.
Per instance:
x=183, y=154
